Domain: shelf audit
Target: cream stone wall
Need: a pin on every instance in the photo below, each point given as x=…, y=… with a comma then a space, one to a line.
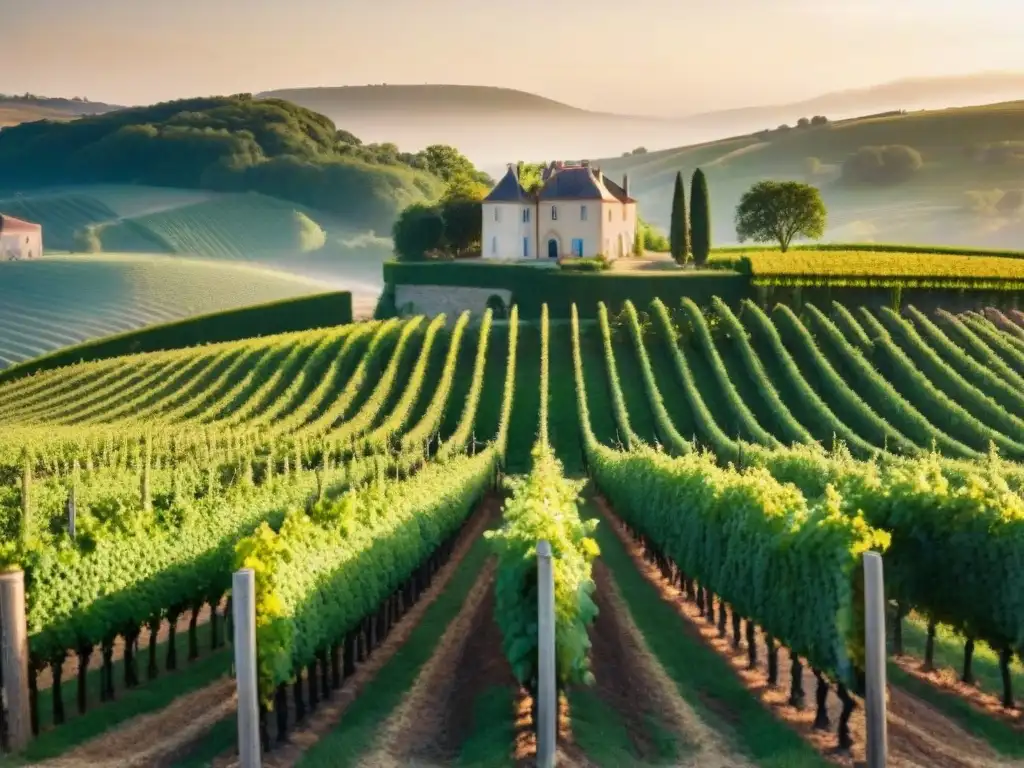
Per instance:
x=569, y=225
x=618, y=228
x=448, y=299
x=505, y=235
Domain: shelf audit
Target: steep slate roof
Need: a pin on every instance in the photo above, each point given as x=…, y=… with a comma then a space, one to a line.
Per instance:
x=11, y=224
x=574, y=183
x=617, y=191
x=508, y=190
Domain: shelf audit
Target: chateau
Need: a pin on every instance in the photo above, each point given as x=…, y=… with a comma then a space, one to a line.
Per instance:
x=578, y=211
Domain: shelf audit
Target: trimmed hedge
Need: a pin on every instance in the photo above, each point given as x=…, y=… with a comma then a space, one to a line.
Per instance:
x=532, y=286
x=304, y=313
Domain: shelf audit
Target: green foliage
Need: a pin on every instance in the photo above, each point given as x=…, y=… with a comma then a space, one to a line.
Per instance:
x=448, y=229
x=228, y=144
x=779, y=211
x=544, y=506
x=679, y=232
x=418, y=231
x=320, y=574
x=598, y=263
x=652, y=238
x=700, y=217
x=889, y=164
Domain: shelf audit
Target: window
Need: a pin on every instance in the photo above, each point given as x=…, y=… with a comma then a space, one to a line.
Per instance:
x=623, y=213
x=497, y=213
x=494, y=245
x=583, y=213
x=577, y=246
x=526, y=247
x=526, y=215
x=554, y=213
x=609, y=214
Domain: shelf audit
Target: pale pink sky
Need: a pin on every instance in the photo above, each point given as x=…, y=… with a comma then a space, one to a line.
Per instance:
x=640, y=56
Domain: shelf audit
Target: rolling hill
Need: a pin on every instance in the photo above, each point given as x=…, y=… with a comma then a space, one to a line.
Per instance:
x=223, y=144
x=58, y=301
x=262, y=231
x=27, y=108
x=938, y=204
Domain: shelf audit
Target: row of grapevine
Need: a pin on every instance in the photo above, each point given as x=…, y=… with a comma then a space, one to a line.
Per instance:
x=815, y=412
x=667, y=432
x=754, y=432
x=543, y=506
x=928, y=395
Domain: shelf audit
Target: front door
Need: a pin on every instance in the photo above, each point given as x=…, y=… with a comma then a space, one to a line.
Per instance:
x=552, y=248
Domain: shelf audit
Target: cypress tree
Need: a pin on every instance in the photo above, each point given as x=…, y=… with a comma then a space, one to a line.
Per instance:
x=679, y=233
x=700, y=217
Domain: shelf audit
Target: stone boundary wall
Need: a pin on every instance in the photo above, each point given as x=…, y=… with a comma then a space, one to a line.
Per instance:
x=448, y=299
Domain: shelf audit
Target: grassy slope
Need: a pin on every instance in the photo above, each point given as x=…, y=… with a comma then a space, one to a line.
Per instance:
x=59, y=301
x=905, y=213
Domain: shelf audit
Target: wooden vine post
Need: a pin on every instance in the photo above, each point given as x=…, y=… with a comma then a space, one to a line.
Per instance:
x=547, y=702
x=14, y=658
x=874, y=646
x=243, y=602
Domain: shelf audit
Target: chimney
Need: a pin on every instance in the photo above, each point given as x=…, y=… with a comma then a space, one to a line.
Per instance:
x=625, y=183
x=600, y=176
x=514, y=169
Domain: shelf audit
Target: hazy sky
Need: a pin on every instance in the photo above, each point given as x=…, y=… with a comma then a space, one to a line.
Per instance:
x=639, y=56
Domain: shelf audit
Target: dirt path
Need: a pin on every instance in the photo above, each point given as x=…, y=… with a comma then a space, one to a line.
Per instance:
x=330, y=712
x=948, y=681
x=919, y=736
x=430, y=724
x=631, y=681
x=150, y=739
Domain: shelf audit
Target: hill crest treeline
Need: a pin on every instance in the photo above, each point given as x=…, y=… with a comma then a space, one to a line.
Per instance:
x=227, y=144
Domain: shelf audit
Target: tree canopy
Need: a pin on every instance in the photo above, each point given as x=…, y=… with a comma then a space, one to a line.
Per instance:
x=778, y=211
x=235, y=144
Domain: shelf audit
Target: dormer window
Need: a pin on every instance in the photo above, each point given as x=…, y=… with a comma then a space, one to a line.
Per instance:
x=554, y=213
x=583, y=213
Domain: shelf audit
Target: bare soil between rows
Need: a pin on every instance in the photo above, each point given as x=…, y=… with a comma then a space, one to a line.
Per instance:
x=947, y=681
x=918, y=735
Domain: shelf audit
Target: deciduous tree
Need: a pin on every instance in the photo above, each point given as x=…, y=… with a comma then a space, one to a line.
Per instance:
x=779, y=211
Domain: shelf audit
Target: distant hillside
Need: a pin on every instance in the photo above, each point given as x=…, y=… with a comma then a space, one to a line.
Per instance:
x=422, y=99
x=28, y=107
x=227, y=144
x=970, y=157
x=492, y=126
x=907, y=94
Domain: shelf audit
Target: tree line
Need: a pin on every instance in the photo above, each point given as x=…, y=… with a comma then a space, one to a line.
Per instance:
x=233, y=144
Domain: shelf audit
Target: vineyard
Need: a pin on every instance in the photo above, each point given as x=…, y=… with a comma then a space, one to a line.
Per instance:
x=708, y=477
x=878, y=269
x=59, y=301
